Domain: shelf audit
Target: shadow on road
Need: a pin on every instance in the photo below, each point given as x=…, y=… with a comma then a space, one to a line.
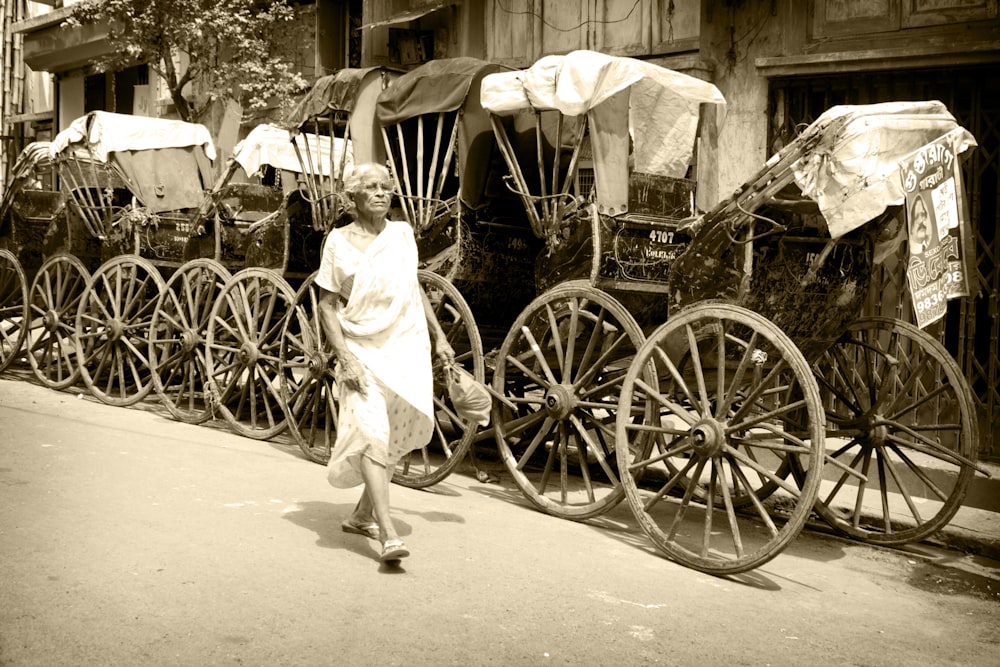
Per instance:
x=324, y=519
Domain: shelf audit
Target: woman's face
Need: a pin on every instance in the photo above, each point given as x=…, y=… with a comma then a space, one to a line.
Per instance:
x=374, y=196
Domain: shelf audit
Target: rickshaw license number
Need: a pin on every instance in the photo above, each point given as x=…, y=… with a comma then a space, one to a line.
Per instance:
x=661, y=236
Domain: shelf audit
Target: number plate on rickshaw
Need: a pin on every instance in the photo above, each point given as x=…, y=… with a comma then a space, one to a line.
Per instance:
x=636, y=252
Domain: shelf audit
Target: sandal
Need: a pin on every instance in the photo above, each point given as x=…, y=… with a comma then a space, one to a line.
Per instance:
x=367, y=528
x=393, y=550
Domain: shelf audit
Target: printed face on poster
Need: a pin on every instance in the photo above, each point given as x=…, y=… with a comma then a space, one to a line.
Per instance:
x=936, y=222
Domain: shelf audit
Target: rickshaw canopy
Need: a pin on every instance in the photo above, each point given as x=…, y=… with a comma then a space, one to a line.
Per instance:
x=353, y=92
x=103, y=132
x=435, y=86
x=36, y=155
x=339, y=91
x=272, y=145
x=166, y=164
x=853, y=170
x=441, y=86
x=639, y=113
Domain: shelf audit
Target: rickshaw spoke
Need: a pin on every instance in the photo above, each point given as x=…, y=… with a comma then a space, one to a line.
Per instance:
x=765, y=386
x=669, y=485
x=115, y=369
x=674, y=408
x=737, y=380
x=699, y=373
x=761, y=470
x=604, y=387
x=887, y=465
x=685, y=500
x=531, y=375
x=706, y=535
x=596, y=332
x=762, y=512
x=234, y=333
x=536, y=352
x=228, y=369
x=547, y=469
x=675, y=373
x=760, y=418
x=665, y=453
x=556, y=342
x=540, y=436
x=443, y=406
x=602, y=361
x=563, y=462
x=860, y=495
x=593, y=447
x=571, y=334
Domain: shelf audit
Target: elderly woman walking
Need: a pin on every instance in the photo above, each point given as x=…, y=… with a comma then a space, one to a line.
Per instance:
x=380, y=327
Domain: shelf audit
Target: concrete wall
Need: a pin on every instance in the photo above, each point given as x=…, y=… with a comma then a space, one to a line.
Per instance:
x=731, y=38
x=70, y=97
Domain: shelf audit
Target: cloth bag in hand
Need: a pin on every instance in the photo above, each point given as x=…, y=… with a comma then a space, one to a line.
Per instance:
x=470, y=398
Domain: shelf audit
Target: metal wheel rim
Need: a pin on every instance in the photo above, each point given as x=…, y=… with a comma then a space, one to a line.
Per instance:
x=567, y=407
x=452, y=435
x=112, y=329
x=54, y=298
x=176, y=343
x=727, y=441
x=237, y=382
x=13, y=308
x=308, y=391
x=913, y=484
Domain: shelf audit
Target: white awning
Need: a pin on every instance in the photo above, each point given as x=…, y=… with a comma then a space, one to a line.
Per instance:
x=410, y=15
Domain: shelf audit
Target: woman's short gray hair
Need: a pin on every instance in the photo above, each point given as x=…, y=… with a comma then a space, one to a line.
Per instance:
x=352, y=183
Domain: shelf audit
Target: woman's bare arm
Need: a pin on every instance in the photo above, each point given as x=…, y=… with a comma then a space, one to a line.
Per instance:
x=352, y=374
x=439, y=340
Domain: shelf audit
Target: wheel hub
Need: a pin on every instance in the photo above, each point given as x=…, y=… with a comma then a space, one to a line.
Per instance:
x=191, y=340
x=709, y=436
x=877, y=435
x=560, y=401
x=318, y=363
x=51, y=321
x=114, y=329
x=249, y=354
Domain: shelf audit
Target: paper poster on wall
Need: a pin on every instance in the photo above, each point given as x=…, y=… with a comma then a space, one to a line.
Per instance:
x=936, y=222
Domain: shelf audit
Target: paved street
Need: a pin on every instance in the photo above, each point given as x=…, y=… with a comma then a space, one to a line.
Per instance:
x=130, y=539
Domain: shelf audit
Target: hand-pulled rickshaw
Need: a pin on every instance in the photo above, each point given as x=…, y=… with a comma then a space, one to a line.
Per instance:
x=603, y=153
x=267, y=241
x=131, y=184
x=765, y=395
x=712, y=368
x=29, y=209
x=343, y=106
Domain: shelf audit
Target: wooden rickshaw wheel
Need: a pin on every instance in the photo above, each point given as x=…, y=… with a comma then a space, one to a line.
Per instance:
x=53, y=301
x=177, y=338
x=308, y=391
x=902, y=433
x=716, y=431
x=242, y=357
x=112, y=329
x=13, y=308
x=560, y=369
x=452, y=435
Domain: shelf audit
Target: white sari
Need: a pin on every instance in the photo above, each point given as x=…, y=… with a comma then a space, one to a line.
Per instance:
x=385, y=327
